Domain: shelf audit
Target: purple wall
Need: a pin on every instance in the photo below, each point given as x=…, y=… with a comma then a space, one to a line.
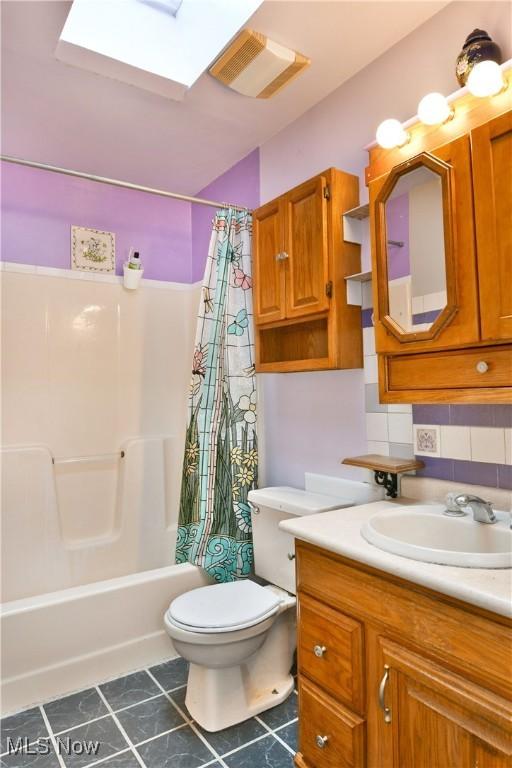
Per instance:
x=397, y=222
x=239, y=185
x=39, y=207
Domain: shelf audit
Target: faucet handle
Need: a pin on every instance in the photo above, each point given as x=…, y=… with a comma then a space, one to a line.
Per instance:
x=453, y=509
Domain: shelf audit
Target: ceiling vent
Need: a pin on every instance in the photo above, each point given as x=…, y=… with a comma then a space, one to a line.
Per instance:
x=256, y=66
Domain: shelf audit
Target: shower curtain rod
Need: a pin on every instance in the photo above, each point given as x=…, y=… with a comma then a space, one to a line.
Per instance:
x=118, y=183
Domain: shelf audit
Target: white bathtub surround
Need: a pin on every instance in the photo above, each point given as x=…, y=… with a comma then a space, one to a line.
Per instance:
x=339, y=531
x=89, y=369
x=73, y=524
x=57, y=643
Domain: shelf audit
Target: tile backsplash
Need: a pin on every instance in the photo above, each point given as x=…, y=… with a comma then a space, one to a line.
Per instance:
x=462, y=443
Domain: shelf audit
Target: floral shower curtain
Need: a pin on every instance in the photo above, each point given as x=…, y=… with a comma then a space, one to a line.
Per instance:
x=221, y=461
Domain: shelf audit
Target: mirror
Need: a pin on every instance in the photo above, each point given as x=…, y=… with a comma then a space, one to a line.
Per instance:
x=415, y=249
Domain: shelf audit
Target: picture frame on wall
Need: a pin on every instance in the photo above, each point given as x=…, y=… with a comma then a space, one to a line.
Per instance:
x=93, y=250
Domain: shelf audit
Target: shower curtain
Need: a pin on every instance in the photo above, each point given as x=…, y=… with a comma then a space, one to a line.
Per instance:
x=221, y=461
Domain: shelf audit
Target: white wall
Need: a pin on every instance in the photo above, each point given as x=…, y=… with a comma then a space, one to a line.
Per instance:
x=89, y=368
x=316, y=418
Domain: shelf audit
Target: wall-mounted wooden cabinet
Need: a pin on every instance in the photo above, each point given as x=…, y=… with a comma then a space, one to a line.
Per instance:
x=394, y=676
x=441, y=225
x=302, y=318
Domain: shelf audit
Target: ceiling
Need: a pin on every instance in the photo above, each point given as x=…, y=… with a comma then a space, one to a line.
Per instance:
x=58, y=114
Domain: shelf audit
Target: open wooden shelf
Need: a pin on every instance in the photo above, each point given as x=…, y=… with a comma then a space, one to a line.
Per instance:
x=292, y=346
x=380, y=463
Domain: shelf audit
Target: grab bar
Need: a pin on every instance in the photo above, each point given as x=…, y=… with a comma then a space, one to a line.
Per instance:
x=89, y=459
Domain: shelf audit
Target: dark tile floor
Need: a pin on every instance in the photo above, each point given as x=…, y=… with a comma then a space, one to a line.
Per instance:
x=140, y=721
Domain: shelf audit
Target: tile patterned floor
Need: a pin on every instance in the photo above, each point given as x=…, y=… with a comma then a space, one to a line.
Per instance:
x=141, y=721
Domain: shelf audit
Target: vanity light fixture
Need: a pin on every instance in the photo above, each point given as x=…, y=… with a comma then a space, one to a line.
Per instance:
x=486, y=79
x=391, y=134
x=434, y=109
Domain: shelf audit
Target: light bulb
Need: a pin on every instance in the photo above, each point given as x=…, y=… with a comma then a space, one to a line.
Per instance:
x=485, y=79
x=390, y=134
x=433, y=109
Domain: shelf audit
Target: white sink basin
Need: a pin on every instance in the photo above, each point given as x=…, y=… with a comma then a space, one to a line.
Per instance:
x=423, y=532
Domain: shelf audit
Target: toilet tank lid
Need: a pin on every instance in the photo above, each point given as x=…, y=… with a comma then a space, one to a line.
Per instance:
x=294, y=501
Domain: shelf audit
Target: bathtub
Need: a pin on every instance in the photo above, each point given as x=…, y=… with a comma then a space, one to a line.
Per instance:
x=60, y=642
x=87, y=553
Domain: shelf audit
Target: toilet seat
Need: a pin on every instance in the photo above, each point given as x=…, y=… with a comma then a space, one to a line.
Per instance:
x=220, y=608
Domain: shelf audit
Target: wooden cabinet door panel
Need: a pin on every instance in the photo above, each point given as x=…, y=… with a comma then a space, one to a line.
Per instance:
x=492, y=179
x=463, y=326
x=306, y=244
x=439, y=719
x=269, y=271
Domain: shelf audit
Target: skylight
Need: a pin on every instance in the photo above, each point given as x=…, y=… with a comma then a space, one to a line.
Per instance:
x=160, y=45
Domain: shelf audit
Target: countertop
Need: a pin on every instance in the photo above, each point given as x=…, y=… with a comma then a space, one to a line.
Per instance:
x=338, y=531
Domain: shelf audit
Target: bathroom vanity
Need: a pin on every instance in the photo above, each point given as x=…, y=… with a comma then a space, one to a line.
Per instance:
x=402, y=668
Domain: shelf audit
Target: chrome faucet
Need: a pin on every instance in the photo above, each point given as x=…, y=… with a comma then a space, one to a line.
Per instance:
x=482, y=510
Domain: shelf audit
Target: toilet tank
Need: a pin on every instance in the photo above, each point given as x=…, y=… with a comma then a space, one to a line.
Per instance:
x=274, y=549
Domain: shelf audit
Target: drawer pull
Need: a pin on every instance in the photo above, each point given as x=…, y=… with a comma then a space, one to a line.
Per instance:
x=291, y=555
x=382, y=695
x=321, y=741
x=482, y=366
x=282, y=256
x=319, y=650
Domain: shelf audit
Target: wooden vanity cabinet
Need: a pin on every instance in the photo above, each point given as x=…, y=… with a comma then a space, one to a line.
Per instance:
x=303, y=321
x=392, y=675
x=491, y=149
x=465, y=353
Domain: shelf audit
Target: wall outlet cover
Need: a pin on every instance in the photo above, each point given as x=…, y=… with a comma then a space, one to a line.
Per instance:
x=427, y=440
x=93, y=250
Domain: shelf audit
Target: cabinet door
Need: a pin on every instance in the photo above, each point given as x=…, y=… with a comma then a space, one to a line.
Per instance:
x=306, y=244
x=425, y=286
x=431, y=717
x=492, y=179
x=268, y=268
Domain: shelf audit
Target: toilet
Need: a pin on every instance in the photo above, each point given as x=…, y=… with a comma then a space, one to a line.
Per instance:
x=240, y=637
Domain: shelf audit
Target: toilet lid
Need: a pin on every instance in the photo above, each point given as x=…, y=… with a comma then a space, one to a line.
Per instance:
x=223, y=607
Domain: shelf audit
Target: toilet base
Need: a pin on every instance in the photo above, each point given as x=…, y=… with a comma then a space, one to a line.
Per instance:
x=214, y=712
x=219, y=698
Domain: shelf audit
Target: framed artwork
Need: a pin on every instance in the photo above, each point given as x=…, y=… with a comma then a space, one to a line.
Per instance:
x=93, y=250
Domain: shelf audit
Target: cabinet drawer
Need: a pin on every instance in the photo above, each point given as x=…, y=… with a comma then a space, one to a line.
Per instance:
x=451, y=370
x=329, y=735
x=330, y=648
